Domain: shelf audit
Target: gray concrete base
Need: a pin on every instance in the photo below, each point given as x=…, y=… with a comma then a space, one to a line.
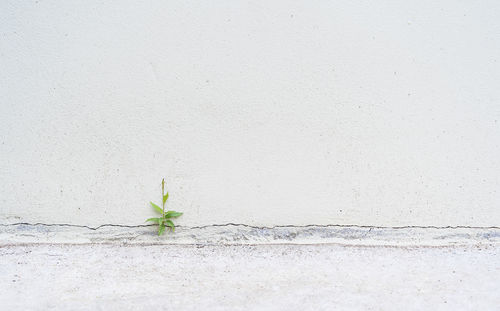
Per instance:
x=245, y=277
x=240, y=267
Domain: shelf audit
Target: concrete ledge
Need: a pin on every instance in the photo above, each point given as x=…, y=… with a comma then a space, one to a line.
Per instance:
x=240, y=234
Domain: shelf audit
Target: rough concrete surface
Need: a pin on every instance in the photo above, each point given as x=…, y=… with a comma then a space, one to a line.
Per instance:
x=246, y=277
x=241, y=267
x=236, y=234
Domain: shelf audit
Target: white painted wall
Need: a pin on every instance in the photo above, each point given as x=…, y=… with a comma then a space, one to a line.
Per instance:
x=258, y=112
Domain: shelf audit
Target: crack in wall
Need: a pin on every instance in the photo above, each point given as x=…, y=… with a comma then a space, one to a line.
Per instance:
x=249, y=226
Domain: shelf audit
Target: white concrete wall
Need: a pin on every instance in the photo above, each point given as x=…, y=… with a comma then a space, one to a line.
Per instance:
x=259, y=112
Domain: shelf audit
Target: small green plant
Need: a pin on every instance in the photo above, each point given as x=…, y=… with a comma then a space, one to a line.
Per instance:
x=164, y=220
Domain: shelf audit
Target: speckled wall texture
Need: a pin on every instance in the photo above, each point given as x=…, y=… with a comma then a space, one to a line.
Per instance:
x=258, y=112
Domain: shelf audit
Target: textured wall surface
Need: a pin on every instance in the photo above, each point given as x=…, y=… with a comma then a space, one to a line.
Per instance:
x=258, y=112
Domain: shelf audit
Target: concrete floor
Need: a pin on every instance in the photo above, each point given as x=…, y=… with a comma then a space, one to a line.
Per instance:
x=261, y=277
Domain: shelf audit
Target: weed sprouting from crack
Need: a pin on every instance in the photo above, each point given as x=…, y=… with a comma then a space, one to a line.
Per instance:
x=165, y=219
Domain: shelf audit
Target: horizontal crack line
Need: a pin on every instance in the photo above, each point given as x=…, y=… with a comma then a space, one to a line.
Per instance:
x=250, y=226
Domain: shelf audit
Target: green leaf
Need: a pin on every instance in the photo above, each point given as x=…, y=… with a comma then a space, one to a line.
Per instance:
x=165, y=198
x=171, y=224
x=157, y=220
x=161, y=229
x=172, y=214
x=157, y=208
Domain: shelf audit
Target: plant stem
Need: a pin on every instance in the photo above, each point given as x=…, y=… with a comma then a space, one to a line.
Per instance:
x=162, y=195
